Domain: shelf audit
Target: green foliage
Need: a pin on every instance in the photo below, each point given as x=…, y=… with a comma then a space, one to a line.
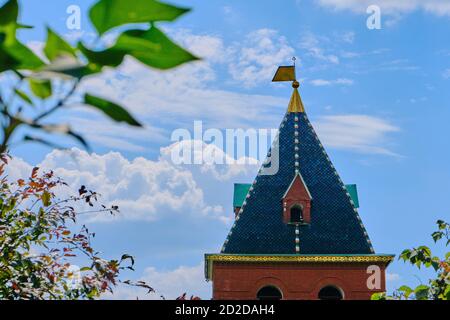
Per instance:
x=40, y=88
x=153, y=48
x=70, y=65
x=38, y=249
x=422, y=256
x=36, y=244
x=107, y=14
x=15, y=55
x=112, y=110
x=56, y=47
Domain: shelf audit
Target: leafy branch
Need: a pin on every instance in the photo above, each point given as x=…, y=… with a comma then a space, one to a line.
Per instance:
x=70, y=65
x=422, y=256
x=38, y=248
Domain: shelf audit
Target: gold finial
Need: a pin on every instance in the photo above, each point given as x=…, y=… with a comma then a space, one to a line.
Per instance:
x=287, y=73
x=296, y=104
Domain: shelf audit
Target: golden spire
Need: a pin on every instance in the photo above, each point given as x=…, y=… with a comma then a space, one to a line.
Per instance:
x=296, y=104
x=287, y=73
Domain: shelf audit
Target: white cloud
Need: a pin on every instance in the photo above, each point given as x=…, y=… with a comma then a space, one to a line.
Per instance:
x=360, y=133
x=143, y=189
x=170, y=284
x=258, y=56
x=438, y=7
x=224, y=169
x=323, y=82
x=178, y=96
x=181, y=95
x=18, y=169
x=208, y=47
x=116, y=136
x=312, y=44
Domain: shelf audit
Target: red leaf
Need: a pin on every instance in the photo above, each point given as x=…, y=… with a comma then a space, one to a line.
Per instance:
x=34, y=172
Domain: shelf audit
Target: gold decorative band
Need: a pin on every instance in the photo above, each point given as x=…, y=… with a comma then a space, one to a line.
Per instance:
x=210, y=258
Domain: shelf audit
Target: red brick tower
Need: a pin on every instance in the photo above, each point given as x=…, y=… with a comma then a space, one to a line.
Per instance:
x=297, y=233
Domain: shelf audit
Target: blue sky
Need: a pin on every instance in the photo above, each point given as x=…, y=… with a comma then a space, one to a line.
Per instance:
x=378, y=99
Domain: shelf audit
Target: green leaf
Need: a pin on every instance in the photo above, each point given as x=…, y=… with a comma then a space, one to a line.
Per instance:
x=25, y=57
x=98, y=59
x=23, y=96
x=406, y=291
x=107, y=14
x=378, y=296
x=41, y=88
x=437, y=235
x=14, y=54
x=425, y=250
x=405, y=255
x=447, y=292
x=435, y=262
x=7, y=62
x=46, y=199
x=8, y=22
x=9, y=13
x=56, y=46
x=153, y=48
x=111, y=109
x=421, y=292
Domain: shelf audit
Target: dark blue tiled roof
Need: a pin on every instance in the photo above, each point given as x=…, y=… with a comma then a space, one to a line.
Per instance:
x=335, y=226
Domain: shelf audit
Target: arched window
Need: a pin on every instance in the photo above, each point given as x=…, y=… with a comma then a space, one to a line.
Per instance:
x=269, y=293
x=296, y=214
x=330, y=293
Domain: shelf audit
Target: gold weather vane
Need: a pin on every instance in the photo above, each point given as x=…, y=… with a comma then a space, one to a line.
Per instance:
x=287, y=73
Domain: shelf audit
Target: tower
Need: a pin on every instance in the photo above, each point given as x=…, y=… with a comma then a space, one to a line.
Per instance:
x=297, y=232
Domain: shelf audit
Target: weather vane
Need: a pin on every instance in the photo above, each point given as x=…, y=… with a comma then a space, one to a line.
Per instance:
x=287, y=73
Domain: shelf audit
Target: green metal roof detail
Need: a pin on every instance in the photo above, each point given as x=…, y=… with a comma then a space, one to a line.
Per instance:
x=353, y=191
x=240, y=192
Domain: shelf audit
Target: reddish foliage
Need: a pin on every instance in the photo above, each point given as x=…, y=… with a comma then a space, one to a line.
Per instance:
x=37, y=247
